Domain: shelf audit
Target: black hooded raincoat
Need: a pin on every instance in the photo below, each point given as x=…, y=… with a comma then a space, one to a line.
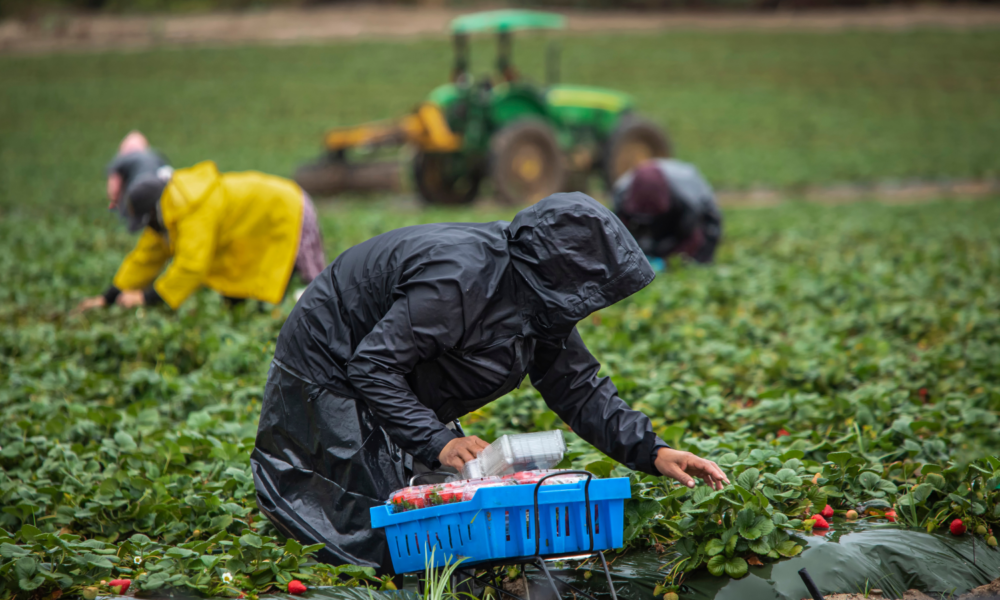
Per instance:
x=419, y=326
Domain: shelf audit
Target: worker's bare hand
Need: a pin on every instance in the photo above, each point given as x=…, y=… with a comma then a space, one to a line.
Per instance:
x=461, y=450
x=88, y=304
x=684, y=466
x=130, y=298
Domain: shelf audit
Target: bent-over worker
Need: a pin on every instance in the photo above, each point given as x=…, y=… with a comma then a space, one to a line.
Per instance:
x=407, y=332
x=670, y=209
x=240, y=234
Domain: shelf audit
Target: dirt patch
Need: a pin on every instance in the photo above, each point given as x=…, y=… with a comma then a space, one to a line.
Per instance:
x=886, y=193
x=877, y=594
x=65, y=32
x=989, y=591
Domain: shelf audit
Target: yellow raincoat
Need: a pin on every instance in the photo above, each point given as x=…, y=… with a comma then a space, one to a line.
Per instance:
x=237, y=233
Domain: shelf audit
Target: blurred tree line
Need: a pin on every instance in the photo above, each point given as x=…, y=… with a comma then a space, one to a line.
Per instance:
x=37, y=8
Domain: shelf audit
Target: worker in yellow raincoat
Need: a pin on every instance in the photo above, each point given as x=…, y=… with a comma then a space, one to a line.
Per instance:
x=240, y=234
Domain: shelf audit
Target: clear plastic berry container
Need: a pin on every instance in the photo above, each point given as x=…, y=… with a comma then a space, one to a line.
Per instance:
x=473, y=470
x=437, y=494
x=533, y=477
x=522, y=452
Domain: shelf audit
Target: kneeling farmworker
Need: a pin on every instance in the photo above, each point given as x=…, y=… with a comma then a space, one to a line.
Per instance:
x=407, y=332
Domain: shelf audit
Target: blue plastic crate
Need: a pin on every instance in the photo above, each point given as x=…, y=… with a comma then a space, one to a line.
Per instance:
x=500, y=523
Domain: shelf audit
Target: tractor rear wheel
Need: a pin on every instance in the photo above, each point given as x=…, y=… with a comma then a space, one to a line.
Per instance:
x=445, y=179
x=633, y=142
x=526, y=163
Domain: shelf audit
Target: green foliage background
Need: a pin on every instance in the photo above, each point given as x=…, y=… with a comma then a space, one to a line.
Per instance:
x=869, y=333
x=774, y=109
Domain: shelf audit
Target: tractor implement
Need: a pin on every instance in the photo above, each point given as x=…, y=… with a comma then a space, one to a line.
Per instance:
x=529, y=140
x=425, y=128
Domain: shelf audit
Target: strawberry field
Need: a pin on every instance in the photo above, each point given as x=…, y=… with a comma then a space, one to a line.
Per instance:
x=835, y=355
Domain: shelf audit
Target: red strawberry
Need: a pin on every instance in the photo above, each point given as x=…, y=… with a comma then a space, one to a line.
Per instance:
x=119, y=586
x=783, y=433
x=923, y=394
x=820, y=522
x=957, y=527
x=296, y=587
x=827, y=512
x=891, y=515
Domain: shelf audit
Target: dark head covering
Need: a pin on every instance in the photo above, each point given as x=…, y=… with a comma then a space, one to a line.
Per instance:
x=131, y=167
x=576, y=257
x=650, y=193
x=142, y=202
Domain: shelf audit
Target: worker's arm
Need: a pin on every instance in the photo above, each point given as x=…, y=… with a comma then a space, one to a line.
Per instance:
x=194, y=248
x=567, y=379
x=142, y=264
x=418, y=327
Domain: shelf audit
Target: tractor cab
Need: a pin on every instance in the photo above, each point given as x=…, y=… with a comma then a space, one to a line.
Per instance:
x=529, y=140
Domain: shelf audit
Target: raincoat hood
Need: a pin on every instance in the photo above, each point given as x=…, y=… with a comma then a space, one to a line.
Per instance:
x=575, y=257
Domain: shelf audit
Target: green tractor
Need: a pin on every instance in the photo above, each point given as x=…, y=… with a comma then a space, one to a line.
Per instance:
x=531, y=140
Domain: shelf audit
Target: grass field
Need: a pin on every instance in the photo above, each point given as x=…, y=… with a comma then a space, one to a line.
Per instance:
x=833, y=355
x=773, y=109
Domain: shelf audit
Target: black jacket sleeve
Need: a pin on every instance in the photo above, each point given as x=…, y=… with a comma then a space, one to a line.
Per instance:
x=567, y=379
x=418, y=327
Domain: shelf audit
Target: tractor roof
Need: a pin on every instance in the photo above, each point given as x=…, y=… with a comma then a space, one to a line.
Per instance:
x=498, y=21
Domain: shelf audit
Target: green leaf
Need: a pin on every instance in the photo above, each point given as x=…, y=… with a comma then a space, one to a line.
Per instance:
x=761, y=546
x=788, y=548
x=748, y=479
x=99, y=562
x=714, y=546
x=25, y=567
x=788, y=477
x=125, y=441
x=250, y=540
x=869, y=480
x=839, y=458
x=717, y=565
x=31, y=584
x=736, y=567
x=601, y=468
x=11, y=551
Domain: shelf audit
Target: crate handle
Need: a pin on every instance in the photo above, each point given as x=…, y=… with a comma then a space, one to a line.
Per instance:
x=426, y=473
x=586, y=497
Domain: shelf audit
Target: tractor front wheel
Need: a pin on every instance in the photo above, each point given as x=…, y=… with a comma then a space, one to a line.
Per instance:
x=445, y=179
x=526, y=163
x=633, y=142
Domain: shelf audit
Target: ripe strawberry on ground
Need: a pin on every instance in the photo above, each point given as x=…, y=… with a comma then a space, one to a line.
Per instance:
x=820, y=522
x=957, y=527
x=783, y=433
x=891, y=515
x=119, y=586
x=851, y=515
x=827, y=512
x=296, y=587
